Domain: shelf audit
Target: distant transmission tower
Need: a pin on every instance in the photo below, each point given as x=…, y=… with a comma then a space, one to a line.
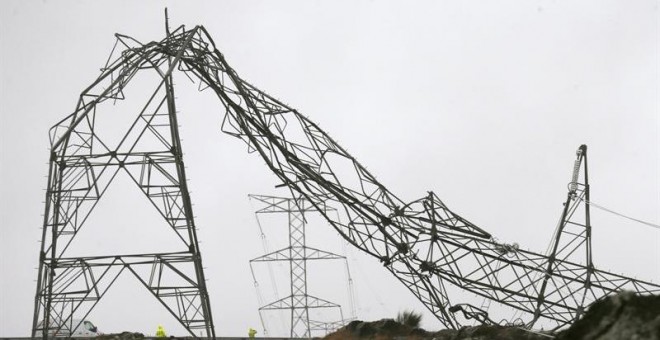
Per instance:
x=297, y=254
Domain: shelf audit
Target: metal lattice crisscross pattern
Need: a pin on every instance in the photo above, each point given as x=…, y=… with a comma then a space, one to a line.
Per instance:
x=423, y=243
x=297, y=254
x=82, y=167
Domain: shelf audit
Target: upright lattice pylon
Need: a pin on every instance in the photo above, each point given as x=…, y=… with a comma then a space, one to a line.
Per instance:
x=83, y=165
x=297, y=254
x=571, y=243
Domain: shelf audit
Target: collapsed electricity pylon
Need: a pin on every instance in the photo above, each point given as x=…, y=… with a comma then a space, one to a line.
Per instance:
x=297, y=254
x=82, y=166
x=571, y=243
x=422, y=242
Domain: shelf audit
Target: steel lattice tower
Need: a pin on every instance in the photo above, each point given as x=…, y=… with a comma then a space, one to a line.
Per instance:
x=82, y=166
x=297, y=254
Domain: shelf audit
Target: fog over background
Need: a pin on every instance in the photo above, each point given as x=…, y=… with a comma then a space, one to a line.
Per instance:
x=482, y=102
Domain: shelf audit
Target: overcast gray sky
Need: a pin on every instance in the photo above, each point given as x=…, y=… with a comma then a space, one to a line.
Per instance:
x=482, y=102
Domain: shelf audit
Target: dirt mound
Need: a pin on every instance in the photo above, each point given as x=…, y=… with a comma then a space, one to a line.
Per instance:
x=623, y=316
x=121, y=336
x=382, y=329
x=618, y=317
x=390, y=329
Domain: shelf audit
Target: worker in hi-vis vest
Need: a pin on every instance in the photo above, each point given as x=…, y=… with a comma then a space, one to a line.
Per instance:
x=160, y=332
x=252, y=332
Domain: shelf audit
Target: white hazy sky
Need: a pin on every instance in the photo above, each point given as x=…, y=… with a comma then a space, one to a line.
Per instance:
x=483, y=102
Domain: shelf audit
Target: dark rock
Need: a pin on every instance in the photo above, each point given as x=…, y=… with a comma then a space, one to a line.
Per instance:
x=495, y=332
x=121, y=336
x=419, y=332
x=623, y=316
x=388, y=325
x=364, y=329
x=352, y=325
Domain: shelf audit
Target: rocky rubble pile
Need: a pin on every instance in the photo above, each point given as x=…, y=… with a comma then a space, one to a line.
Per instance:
x=624, y=316
x=121, y=336
x=389, y=329
x=620, y=317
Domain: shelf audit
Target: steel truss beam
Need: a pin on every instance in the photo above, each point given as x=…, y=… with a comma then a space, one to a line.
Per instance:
x=297, y=254
x=423, y=243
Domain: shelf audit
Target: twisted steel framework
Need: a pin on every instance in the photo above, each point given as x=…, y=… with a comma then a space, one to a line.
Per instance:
x=423, y=243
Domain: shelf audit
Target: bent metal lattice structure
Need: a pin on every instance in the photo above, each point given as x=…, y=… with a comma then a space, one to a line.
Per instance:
x=423, y=243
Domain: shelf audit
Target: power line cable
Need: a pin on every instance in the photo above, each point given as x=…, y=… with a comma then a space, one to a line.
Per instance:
x=653, y=225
